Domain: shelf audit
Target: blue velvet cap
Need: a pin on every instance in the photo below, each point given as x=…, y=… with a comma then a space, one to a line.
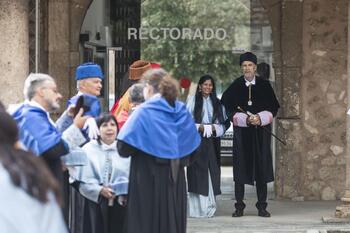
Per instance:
x=88, y=70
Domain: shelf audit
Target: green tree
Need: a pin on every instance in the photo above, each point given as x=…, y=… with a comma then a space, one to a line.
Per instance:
x=193, y=58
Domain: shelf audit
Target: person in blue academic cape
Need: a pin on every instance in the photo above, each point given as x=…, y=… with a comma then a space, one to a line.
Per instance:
x=29, y=196
x=160, y=135
x=89, y=79
x=37, y=131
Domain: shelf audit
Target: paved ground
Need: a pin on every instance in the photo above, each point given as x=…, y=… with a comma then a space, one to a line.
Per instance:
x=287, y=216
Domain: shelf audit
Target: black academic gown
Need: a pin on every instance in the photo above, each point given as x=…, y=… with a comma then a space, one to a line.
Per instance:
x=101, y=218
x=78, y=209
x=157, y=198
x=208, y=157
x=252, y=157
x=52, y=158
x=87, y=216
x=197, y=172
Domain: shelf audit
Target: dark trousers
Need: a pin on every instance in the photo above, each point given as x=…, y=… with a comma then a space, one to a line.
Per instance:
x=65, y=197
x=261, y=191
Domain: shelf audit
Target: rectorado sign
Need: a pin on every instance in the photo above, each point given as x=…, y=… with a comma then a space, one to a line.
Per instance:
x=154, y=33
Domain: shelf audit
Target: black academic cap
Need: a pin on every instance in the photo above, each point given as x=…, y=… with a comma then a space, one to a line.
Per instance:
x=248, y=56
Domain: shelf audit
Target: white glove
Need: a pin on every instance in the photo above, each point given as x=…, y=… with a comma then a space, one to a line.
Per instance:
x=91, y=127
x=207, y=131
x=219, y=130
x=197, y=126
x=204, y=131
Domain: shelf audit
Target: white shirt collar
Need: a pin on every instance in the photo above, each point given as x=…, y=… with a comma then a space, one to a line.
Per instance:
x=155, y=96
x=37, y=105
x=247, y=83
x=106, y=147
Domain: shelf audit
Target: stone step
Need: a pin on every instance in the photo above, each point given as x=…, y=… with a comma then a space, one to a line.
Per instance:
x=270, y=231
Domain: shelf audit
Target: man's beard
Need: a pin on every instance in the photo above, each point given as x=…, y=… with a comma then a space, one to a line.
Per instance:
x=53, y=106
x=249, y=76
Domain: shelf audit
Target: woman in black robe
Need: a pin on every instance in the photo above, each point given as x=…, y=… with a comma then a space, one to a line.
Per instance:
x=104, y=181
x=159, y=136
x=203, y=175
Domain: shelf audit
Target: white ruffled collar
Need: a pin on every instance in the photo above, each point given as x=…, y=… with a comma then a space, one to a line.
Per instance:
x=110, y=147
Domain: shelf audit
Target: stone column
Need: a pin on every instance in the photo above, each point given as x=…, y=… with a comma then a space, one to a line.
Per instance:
x=58, y=44
x=14, y=56
x=343, y=211
x=77, y=16
x=65, y=18
x=287, y=35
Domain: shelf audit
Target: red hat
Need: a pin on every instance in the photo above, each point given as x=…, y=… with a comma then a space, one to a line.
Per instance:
x=185, y=82
x=155, y=65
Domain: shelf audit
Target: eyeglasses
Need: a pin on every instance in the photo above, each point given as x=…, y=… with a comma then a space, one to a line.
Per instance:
x=53, y=89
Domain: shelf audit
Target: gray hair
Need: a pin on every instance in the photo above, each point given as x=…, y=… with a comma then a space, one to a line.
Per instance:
x=136, y=93
x=153, y=78
x=33, y=82
x=79, y=83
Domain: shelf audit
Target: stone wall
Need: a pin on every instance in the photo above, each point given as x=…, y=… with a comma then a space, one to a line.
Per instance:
x=324, y=98
x=61, y=21
x=287, y=37
x=14, y=56
x=310, y=51
x=65, y=18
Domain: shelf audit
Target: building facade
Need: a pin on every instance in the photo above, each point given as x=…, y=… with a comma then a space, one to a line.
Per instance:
x=311, y=72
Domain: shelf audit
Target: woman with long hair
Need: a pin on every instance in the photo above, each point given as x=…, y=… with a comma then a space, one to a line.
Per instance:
x=30, y=196
x=104, y=180
x=159, y=135
x=203, y=175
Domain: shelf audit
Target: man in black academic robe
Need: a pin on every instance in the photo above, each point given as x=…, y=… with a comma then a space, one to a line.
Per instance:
x=251, y=105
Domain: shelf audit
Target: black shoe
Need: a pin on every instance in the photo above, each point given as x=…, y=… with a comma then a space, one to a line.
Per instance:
x=237, y=213
x=264, y=213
